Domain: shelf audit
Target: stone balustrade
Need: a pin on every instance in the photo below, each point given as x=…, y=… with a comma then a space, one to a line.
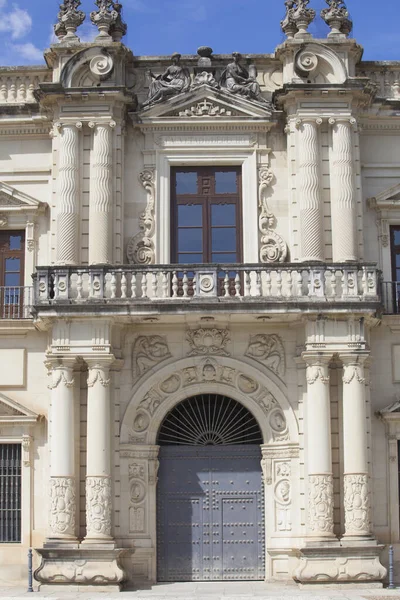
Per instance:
x=17, y=87
x=286, y=284
x=385, y=75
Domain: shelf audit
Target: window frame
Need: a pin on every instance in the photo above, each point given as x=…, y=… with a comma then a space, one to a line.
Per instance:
x=206, y=201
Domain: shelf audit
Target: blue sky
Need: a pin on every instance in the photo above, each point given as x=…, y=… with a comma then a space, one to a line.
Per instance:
x=167, y=26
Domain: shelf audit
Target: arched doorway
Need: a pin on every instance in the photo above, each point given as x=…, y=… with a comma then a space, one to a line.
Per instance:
x=210, y=499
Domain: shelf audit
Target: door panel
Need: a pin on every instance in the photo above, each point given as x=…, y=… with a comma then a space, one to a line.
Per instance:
x=210, y=514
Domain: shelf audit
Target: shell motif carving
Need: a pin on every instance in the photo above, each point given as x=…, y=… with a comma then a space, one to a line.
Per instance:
x=141, y=249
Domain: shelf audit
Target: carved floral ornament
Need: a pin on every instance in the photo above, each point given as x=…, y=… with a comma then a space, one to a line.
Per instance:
x=206, y=371
x=208, y=341
x=268, y=350
x=320, y=503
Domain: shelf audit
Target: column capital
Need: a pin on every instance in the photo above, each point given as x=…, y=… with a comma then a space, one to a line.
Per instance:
x=316, y=358
x=61, y=370
x=351, y=121
x=354, y=358
x=111, y=123
x=317, y=121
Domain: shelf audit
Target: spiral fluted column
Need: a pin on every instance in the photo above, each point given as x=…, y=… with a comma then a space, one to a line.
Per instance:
x=357, y=509
x=343, y=200
x=100, y=210
x=68, y=195
x=310, y=200
x=319, y=448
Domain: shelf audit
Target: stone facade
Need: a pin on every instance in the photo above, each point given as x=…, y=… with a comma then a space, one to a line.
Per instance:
x=111, y=336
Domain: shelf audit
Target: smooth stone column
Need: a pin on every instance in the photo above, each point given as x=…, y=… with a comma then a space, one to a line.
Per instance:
x=100, y=201
x=62, y=517
x=310, y=200
x=67, y=233
x=355, y=453
x=98, y=469
x=319, y=448
x=343, y=198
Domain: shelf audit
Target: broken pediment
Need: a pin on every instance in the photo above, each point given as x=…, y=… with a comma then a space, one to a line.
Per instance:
x=389, y=198
x=12, y=199
x=13, y=412
x=206, y=103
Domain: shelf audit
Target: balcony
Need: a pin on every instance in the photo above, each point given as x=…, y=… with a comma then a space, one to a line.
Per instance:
x=16, y=302
x=232, y=288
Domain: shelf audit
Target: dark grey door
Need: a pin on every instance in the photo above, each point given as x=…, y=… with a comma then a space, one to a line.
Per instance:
x=210, y=513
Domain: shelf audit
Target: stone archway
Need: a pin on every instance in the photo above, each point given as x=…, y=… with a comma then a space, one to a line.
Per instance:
x=155, y=395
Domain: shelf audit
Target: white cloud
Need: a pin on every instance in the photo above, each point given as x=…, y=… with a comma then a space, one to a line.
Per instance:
x=17, y=22
x=28, y=52
x=87, y=32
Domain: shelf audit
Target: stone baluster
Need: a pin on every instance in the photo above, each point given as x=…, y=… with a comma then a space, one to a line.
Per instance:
x=310, y=200
x=62, y=516
x=355, y=452
x=343, y=198
x=100, y=203
x=68, y=194
x=319, y=448
x=98, y=460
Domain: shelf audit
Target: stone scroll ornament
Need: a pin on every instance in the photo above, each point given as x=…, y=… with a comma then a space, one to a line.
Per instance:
x=141, y=250
x=175, y=80
x=273, y=247
x=268, y=350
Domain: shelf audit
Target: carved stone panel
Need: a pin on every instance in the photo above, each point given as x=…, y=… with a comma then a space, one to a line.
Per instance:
x=148, y=351
x=208, y=341
x=268, y=350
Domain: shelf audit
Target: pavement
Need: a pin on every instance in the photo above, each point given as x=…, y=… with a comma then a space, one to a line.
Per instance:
x=252, y=590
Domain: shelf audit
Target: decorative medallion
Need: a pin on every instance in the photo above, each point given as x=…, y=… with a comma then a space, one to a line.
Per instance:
x=208, y=341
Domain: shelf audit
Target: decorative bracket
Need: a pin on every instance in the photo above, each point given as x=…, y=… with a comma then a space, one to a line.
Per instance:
x=273, y=247
x=141, y=249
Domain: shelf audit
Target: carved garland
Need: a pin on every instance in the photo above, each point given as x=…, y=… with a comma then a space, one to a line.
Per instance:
x=141, y=250
x=273, y=247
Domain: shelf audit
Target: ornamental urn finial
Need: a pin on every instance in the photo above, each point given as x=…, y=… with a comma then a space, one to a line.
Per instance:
x=337, y=18
x=288, y=25
x=302, y=18
x=119, y=28
x=105, y=18
x=68, y=20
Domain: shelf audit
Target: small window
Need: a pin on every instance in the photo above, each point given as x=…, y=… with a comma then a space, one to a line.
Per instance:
x=10, y=493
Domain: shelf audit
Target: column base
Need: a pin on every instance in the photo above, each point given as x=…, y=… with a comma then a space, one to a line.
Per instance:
x=81, y=568
x=335, y=563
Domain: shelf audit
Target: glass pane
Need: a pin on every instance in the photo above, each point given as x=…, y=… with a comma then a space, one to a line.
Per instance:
x=190, y=215
x=187, y=259
x=190, y=240
x=223, y=239
x=13, y=264
x=397, y=260
x=15, y=242
x=11, y=279
x=224, y=257
x=396, y=236
x=186, y=183
x=223, y=214
x=225, y=182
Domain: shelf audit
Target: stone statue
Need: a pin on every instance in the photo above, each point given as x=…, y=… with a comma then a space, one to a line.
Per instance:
x=175, y=80
x=237, y=80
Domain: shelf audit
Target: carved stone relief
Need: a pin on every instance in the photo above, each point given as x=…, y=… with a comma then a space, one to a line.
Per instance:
x=149, y=351
x=268, y=350
x=320, y=503
x=98, y=506
x=137, y=492
x=206, y=108
x=357, y=504
x=141, y=248
x=273, y=247
x=62, y=506
x=208, y=370
x=282, y=496
x=208, y=341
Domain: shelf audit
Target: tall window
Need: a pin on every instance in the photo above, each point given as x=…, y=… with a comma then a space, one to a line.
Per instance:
x=395, y=251
x=206, y=215
x=12, y=249
x=10, y=493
